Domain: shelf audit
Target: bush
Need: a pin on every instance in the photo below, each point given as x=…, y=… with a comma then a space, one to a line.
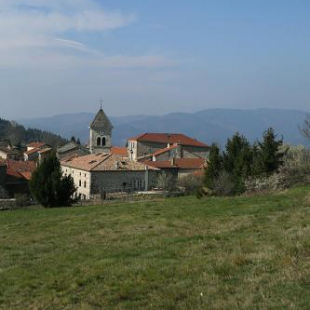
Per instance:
x=294, y=171
x=21, y=200
x=191, y=183
x=224, y=184
x=167, y=182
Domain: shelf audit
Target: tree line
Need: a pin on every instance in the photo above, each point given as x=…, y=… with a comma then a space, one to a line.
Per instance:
x=228, y=170
x=14, y=134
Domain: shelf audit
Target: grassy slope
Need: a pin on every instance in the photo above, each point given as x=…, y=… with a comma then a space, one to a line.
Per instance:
x=184, y=253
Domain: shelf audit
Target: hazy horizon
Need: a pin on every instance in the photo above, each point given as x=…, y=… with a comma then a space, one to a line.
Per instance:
x=152, y=58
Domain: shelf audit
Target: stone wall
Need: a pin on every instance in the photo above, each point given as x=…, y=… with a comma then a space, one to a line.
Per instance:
x=94, y=135
x=188, y=151
x=144, y=148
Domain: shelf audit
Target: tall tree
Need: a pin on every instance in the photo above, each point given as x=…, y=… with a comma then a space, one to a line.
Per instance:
x=214, y=166
x=269, y=157
x=50, y=187
x=305, y=128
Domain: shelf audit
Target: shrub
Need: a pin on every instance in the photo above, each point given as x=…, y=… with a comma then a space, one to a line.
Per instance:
x=167, y=182
x=224, y=184
x=191, y=183
x=21, y=200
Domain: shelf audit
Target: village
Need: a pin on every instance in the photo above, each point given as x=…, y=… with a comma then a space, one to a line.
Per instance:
x=100, y=167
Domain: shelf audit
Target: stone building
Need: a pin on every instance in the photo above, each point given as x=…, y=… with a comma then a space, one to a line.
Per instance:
x=100, y=139
x=96, y=173
x=8, y=153
x=71, y=149
x=165, y=146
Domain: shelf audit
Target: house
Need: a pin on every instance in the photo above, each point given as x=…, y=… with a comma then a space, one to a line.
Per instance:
x=33, y=150
x=96, y=173
x=164, y=146
x=44, y=154
x=71, y=149
x=8, y=153
x=18, y=175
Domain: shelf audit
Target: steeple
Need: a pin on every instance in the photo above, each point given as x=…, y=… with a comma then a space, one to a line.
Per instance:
x=100, y=133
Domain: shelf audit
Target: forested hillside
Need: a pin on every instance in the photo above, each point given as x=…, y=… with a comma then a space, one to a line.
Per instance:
x=14, y=134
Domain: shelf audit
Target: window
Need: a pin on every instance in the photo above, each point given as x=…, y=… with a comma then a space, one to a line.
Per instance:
x=80, y=183
x=85, y=184
x=103, y=141
x=98, y=141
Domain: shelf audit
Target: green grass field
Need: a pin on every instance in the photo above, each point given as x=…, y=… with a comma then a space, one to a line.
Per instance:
x=182, y=253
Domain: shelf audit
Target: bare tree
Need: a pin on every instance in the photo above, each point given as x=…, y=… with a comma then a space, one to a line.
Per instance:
x=305, y=128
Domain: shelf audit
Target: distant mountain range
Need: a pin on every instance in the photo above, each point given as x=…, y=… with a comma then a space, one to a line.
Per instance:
x=212, y=125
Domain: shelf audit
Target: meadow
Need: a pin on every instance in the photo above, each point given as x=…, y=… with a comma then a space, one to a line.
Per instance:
x=181, y=253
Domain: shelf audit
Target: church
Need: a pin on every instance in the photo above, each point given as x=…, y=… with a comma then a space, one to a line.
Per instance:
x=101, y=167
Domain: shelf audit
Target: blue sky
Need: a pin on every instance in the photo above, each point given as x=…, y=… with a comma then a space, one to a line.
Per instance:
x=152, y=56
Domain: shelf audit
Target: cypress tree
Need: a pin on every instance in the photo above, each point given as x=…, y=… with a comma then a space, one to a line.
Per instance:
x=214, y=166
x=50, y=187
x=269, y=157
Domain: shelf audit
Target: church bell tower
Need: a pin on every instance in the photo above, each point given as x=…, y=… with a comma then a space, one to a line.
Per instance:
x=100, y=134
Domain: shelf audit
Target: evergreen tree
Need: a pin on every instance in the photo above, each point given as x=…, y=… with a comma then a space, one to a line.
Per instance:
x=269, y=157
x=73, y=139
x=214, y=166
x=50, y=187
x=237, y=161
x=78, y=141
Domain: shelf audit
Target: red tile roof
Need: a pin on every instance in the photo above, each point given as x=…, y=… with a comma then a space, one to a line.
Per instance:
x=36, y=144
x=103, y=162
x=119, y=151
x=32, y=151
x=171, y=138
x=20, y=169
x=181, y=163
x=162, y=151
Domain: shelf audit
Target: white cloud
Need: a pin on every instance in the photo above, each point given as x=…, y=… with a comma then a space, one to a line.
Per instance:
x=36, y=32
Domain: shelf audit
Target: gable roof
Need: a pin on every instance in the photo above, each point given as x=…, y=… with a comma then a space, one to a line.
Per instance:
x=179, y=163
x=20, y=169
x=67, y=147
x=32, y=151
x=171, y=138
x=101, y=121
x=103, y=162
x=36, y=144
x=8, y=151
x=167, y=149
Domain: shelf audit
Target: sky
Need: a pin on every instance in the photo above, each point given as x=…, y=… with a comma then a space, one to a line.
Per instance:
x=152, y=56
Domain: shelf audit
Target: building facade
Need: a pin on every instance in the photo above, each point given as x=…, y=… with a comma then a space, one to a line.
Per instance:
x=96, y=173
x=100, y=138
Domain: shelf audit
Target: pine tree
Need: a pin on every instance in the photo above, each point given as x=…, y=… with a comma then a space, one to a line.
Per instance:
x=269, y=157
x=214, y=166
x=237, y=161
x=49, y=187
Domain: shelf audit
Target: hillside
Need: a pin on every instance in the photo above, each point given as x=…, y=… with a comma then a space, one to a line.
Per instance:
x=213, y=125
x=13, y=133
x=239, y=253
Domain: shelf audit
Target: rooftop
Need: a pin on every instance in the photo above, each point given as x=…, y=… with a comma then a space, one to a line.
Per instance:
x=36, y=144
x=103, y=162
x=169, y=138
x=20, y=169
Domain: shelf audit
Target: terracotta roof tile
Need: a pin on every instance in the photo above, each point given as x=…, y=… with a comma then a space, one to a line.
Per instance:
x=36, y=144
x=119, y=151
x=162, y=151
x=171, y=138
x=20, y=169
x=103, y=162
x=32, y=151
